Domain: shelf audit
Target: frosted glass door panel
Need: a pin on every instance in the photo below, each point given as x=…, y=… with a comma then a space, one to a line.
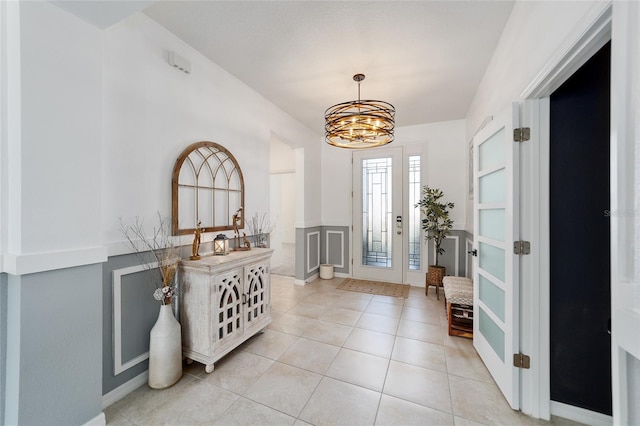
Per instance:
x=492, y=333
x=493, y=187
x=492, y=296
x=492, y=260
x=495, y=269
x=492, y=151
x=492, y=224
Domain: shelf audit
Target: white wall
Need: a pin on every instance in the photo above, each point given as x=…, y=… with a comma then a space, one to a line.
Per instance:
x=282, y=157
x=283, y=180
x=287, y=218
x=532, y=37
x=51, y=162
x=444, y=148
x=51, y=192
x=153, y=111
x=283, y=197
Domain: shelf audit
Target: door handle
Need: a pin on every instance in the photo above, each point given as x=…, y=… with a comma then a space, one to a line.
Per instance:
x=473, y=252
x=399, y=225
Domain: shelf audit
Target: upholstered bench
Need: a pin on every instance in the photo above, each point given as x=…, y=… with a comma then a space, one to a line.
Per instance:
x=458, y=299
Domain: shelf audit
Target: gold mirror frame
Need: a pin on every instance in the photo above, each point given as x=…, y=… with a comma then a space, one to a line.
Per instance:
x=211, y=159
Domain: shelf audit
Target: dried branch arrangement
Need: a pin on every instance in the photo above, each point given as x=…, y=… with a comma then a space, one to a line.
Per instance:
x=260, y=226
x=158, y=247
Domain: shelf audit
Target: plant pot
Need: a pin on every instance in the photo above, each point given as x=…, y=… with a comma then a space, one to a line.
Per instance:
x=434, y=277
x=165, y=350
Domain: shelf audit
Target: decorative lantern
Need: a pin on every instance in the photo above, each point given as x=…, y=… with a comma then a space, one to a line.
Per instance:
x=221, y=245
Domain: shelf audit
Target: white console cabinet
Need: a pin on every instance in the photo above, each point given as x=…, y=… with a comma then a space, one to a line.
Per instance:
x=224, y=300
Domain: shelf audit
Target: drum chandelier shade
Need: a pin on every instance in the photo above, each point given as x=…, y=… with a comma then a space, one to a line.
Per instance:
x=359, y=124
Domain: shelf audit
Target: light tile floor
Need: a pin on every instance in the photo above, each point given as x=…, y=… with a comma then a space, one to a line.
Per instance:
x=333, y=357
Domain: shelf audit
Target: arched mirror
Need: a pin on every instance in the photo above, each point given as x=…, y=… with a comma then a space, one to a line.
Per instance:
x=207, y=187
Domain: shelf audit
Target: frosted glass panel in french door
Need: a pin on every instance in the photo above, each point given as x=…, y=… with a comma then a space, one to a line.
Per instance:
x=377, y=214
x=495, y=276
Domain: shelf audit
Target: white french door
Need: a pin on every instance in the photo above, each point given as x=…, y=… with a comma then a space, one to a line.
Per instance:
x=496, y=273
x=386, y=227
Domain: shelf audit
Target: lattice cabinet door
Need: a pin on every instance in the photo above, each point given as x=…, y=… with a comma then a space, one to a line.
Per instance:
x=228, y=308
x=257, y=290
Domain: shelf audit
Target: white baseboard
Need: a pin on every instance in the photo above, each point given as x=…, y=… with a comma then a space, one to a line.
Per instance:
x=341, y=275
x=307, y=280
x=99, y=420
x=125, y=389
x=580, y=415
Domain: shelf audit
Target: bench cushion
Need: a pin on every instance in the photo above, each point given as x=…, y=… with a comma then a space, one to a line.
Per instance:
x=458, y=290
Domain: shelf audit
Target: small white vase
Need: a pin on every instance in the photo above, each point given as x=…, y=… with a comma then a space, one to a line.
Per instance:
x=165, y=350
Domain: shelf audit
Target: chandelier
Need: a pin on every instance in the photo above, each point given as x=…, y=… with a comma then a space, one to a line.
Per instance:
x=359, y=124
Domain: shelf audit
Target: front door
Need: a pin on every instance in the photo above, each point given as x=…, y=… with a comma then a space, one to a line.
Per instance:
x=386, y=227
x=495, y=272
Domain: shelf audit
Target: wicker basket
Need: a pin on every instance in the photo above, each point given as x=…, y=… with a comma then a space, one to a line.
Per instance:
x=435, y=274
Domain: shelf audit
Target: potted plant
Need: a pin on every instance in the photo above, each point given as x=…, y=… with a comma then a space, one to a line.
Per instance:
x=436, y=225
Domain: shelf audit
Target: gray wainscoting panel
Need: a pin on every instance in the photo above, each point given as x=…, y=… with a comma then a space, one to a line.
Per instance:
x=335, y=248
x=467, y=256
x=54, y=347
x=138, y=312
x=3, y=339
x=455, y=253
x=136, y=315
x=308, y=252
x=313, y=252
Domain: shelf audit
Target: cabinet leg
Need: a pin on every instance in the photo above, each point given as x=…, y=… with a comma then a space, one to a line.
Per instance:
x=208, y=368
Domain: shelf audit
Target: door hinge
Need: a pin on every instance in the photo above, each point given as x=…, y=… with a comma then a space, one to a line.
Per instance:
x=521, y=134
x=521, y=361
x=521, y=247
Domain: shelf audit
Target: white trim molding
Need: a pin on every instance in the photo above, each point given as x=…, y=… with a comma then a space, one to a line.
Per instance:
x=307, y=280
x=341, y=233
x=99, y=420
x=580, y=415
x=593, y=32
x=124, y=389
x=467, y=258
x=22, y=264
x=118, y=365
x=317, y=265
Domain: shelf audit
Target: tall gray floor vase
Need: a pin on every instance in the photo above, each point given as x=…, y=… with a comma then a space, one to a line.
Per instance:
x=165, y=350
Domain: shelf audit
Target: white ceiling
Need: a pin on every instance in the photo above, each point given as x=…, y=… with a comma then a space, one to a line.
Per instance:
x=425, y=57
